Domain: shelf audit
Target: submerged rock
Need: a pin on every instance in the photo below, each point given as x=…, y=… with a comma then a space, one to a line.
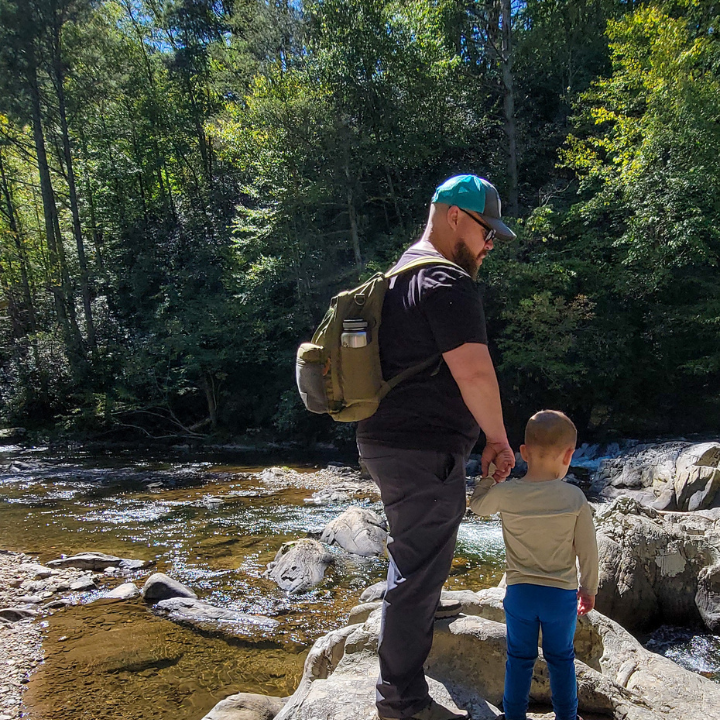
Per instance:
x=299, y=565
x=246, y=706
x=162, y=587
x=657, y=568
x=87, y=561
x=197, y=612
x=359, y=531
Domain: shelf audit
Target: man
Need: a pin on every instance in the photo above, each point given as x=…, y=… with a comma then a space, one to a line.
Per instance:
x=417, y=443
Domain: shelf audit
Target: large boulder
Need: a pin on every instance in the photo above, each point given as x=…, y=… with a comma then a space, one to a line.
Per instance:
x=359, y=531
x=299, y=565
x=658, y=684
x=676, y=475
x=707, y=598
x=697, y=477
x=162, y=587
x=246, y=706
x=617, y=677
x=653, y=566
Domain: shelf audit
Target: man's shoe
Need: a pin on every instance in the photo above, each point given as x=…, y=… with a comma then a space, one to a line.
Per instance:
x=435, y=711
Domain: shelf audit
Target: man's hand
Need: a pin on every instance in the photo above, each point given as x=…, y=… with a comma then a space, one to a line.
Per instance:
x=500, y=454
x=585, y=603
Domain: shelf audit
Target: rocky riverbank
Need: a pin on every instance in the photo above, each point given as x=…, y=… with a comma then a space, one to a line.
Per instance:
x=20, y=639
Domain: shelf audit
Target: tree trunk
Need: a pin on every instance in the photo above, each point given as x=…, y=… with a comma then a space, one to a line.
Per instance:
x=353, y=219
x=506, y=61
x=62, y=293
x=77, y=228
x=209, y=387
x=22, y=258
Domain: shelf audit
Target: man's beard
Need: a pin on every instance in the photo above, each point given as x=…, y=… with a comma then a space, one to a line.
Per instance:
x=465, y=259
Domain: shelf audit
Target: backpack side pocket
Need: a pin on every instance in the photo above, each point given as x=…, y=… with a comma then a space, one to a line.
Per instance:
x=311, y=368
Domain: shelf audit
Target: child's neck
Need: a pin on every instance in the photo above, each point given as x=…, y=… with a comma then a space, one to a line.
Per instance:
x=542, y=472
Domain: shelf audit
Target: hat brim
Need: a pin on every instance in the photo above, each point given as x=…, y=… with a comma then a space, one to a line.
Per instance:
x=502, y=231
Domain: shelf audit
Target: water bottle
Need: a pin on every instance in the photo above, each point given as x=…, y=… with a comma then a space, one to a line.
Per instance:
x=354, y=333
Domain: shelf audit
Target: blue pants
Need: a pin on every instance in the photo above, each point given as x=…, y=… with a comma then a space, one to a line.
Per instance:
x=527, y=609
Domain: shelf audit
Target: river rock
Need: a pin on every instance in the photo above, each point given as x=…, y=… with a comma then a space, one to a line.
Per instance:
x=655, y=567
x=299, y=565
x=127, y=591
x=197, y=612
x=82, y=584
x=663, y=687
x=697, y=476
x=374, y=592
x=359, y=531
x=617, y=677
x=13, y=614
x=87, y=561
x=465, y=669
x=246, y=706
x=162, y=587
x=37, y=571
x=128, y=565
x=676, y=475
x=707, y=598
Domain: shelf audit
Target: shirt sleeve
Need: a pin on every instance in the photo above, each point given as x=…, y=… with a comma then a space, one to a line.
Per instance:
x=485, y=499
x=587, y=551
x=454, y=309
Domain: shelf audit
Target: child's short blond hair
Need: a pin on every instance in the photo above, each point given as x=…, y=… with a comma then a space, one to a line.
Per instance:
x=550, y=430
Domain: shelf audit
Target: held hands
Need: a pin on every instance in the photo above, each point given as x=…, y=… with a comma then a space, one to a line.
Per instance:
x=585, y=603
x=500, y=454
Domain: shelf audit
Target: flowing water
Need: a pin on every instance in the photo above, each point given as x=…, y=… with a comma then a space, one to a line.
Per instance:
x=213, y=527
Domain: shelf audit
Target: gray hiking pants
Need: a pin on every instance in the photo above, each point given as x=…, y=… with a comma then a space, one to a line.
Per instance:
x=424, y=496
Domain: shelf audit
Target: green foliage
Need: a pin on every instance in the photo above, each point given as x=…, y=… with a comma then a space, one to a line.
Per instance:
x=237, y=163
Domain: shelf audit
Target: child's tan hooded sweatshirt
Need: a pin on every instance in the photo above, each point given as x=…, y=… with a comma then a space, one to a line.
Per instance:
x=546, y=525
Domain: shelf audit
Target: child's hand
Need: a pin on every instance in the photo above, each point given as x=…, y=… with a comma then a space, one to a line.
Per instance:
x=585, y=603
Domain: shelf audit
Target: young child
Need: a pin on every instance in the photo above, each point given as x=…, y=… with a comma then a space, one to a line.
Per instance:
x=547, y=524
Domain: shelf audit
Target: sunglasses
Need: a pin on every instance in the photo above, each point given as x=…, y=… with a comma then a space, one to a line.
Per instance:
x=490, y=233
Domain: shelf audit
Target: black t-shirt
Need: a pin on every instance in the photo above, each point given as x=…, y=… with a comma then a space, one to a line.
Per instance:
x=427, y=311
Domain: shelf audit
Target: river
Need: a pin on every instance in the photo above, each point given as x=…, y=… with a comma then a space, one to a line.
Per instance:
x=213, y=524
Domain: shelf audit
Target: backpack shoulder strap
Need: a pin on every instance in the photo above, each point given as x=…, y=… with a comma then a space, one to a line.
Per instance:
x=420, y=262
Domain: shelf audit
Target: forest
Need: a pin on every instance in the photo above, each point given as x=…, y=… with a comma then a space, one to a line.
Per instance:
x=184, y=184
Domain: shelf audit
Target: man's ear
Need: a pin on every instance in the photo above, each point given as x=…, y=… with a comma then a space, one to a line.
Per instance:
x=453, y=216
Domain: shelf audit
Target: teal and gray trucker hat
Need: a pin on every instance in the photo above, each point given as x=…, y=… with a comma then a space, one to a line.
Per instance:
x=470, y=192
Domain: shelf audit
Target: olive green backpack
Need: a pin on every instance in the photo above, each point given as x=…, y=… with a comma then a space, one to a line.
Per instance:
x=343, y=381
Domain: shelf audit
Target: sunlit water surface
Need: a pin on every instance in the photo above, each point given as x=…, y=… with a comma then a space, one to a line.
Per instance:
x=214, y=528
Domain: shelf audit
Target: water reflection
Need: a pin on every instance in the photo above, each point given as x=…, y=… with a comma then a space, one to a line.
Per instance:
x=699, y=652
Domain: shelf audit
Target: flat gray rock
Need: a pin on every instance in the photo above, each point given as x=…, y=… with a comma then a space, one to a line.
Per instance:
x=82, y=584
x=37, y=571
x=13, y=614
x=246, y=706
x=87, y=561
x=127, y=591
x=196, y=612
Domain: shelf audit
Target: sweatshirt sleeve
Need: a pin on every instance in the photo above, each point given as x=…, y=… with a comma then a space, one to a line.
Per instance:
x=484, y=500
x=587, y=551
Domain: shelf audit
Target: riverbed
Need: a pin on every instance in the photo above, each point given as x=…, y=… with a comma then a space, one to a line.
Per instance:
x=213, y=523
